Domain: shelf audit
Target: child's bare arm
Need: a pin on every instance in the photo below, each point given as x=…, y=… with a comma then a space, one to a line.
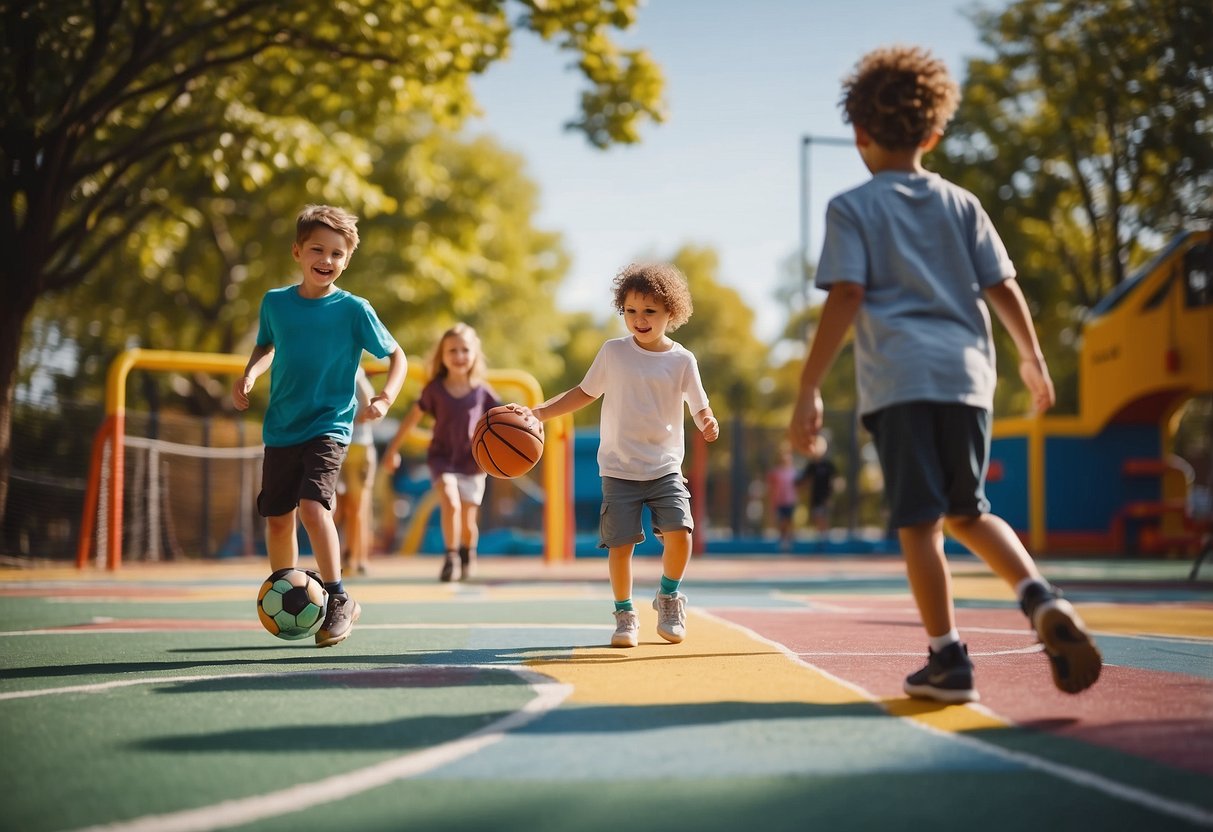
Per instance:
x=1008, y=302
x=841, y=307
x=705, y=420
x=398, y=366
x=391, y=455
x=567, y=402
x=258, y=363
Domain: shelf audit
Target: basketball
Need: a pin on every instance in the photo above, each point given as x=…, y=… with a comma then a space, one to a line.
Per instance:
x=504, y=444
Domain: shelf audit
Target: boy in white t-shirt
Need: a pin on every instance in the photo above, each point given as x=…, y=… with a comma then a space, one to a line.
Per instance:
x=643, y=379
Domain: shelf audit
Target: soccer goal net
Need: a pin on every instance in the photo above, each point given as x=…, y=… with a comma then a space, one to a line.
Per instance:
x=189, y=487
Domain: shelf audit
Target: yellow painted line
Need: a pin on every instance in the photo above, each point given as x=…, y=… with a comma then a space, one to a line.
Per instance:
x=1155, y=619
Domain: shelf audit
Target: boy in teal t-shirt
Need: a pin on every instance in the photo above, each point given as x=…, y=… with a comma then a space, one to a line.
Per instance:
x=313, y=335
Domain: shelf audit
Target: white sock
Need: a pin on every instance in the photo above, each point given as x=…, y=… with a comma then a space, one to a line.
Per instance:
x=939, y=642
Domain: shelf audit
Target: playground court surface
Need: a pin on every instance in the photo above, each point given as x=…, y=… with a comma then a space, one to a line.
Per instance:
x=151, y=699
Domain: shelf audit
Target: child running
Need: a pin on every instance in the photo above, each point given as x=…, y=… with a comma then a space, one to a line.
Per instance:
x=312, y=335
x=456, y=396
x=643, y=379
x=908, y=257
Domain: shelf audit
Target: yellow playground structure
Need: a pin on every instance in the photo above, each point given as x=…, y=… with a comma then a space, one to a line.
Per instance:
x=101, y=533
x=1106, y=480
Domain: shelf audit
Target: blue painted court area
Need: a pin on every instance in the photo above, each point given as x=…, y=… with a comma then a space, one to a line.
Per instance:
x=152, y=699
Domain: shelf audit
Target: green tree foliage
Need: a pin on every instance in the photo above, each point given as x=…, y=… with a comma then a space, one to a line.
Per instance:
x=459, y=246
x=720, y=333
x=1088, y=135
x=114, y=105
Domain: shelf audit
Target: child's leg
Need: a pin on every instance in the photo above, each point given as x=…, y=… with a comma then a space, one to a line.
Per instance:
x=450, y=509
x=991, y=539
x=1073, y=657
x=669, y=602
x=322, y=532
x=280, y=541
x=675, y=553
x=619, y=564
x=930, y=580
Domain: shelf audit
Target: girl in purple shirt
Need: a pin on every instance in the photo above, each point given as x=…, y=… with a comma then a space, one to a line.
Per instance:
x=455, y=398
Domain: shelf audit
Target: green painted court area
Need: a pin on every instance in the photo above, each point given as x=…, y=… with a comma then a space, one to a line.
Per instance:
x=152, y=699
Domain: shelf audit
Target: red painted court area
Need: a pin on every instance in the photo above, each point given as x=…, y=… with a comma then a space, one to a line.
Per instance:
x=1164, y=716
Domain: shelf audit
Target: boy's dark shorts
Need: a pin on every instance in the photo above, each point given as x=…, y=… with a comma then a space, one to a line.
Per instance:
x=619, y=523
x=308, y=471
x=934, y=458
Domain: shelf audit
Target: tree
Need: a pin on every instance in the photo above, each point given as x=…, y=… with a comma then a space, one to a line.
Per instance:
x=460, y=245
x=115, y=103
x=1089, y=138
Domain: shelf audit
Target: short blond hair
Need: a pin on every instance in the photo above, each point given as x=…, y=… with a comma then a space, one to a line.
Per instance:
x=900, y=96
x=327, y=216
x=662, y=281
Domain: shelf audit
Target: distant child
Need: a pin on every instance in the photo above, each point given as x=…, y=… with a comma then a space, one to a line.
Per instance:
x=313, y=335
x=644, y=378
x=908, y=257
x=819, y=473
x=456, y=396
x=353, y=513
x=781, y=491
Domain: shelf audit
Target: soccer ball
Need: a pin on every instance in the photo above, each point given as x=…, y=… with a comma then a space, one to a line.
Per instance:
x=291, y=603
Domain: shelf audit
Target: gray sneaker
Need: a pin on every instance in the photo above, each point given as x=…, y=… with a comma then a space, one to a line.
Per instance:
x=339, y=620
x=671, y=616
x=627, y=629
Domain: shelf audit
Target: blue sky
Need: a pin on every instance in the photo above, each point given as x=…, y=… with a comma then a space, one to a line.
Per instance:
x=744, y=82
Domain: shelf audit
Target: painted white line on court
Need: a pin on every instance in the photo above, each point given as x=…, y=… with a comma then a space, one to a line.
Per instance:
x=1121, y=791
x=98, y=626
x=229, y=813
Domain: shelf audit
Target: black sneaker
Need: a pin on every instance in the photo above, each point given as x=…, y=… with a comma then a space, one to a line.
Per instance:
x=948, y=676
x=339, y=620
x=1073, y=656
x=448, y=568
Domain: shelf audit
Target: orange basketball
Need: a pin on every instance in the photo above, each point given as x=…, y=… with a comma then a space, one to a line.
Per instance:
x=504, y=444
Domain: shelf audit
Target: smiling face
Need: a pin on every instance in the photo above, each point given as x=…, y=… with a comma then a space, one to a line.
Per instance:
x=647, y=319
x=322, y=257
x=457, y=356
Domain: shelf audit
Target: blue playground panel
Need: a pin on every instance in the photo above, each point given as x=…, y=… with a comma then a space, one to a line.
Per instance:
x=1085, y=485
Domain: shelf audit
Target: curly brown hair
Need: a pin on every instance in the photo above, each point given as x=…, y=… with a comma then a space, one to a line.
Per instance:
x=660, y=280
x=900, y=95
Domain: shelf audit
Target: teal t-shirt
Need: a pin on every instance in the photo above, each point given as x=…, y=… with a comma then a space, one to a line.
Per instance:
x=318, y=345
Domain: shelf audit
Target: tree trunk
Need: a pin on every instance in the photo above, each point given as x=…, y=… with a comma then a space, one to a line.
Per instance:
x=12, y=324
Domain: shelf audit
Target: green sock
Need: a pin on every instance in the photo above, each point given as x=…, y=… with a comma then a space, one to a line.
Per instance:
x=621, y=606
x=668, y=586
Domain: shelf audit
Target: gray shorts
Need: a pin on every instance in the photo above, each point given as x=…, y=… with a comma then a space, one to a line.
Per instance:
x=934, y=458
x=619, y=522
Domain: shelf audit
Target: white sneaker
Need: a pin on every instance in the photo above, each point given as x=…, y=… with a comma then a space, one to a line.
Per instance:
x=627, y=629
x=671, y=616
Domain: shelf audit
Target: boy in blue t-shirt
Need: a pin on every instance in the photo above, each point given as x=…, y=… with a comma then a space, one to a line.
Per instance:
x=913, y=260
x=313, y=334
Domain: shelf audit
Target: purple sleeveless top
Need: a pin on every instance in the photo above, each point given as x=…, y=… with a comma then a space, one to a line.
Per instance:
x=455, y=421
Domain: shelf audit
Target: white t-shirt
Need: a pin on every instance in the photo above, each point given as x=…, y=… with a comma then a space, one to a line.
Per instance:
x=643, y=391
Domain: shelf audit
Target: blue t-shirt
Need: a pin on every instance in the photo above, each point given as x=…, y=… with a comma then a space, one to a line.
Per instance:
x=318, y=344
x=924, y=250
